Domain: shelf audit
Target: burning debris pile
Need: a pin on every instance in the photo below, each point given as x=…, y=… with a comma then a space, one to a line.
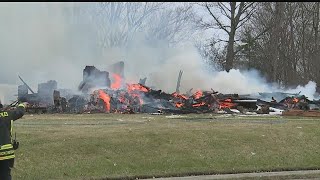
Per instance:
x=138, y=98
x=107, y=92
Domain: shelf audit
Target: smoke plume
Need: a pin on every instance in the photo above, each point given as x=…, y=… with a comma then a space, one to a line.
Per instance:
x=55, y=41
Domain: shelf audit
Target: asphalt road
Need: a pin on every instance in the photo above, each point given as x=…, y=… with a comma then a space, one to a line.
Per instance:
x=244, y=175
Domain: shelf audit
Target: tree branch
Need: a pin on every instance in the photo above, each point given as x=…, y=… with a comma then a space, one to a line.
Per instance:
x=255, y=38
x=224, y=6
x=245, y=19
x=223, y=11
x=217, y=20
x=246, y=6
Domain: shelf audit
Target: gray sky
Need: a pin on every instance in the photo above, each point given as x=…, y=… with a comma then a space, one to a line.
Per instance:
x=43, y=41
x=38, y=43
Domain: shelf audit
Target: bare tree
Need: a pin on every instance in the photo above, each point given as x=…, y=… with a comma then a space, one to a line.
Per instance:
x=235, y=15
x=172, y=25
x=315, y=26
x=289, y=52
x=121, y=22
x=118, y=21
x=212, y=55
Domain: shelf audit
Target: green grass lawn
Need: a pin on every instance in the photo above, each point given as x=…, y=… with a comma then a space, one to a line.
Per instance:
x=97, y=146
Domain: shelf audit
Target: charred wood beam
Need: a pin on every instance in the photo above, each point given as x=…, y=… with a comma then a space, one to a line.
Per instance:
x=142, y=81
x=26, y=84
x=178, y=82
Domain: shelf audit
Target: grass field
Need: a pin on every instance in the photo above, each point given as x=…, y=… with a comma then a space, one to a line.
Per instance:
x=102, y=146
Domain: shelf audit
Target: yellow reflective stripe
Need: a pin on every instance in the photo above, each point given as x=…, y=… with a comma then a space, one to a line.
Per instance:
x=11, y=128
x=6, y=153
x=4, y=114
x=6, y=146
x=21, y=105
x=7, y=157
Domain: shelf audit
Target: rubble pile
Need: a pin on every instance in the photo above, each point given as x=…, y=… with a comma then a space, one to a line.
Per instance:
x=138, y=98
x=106, y=92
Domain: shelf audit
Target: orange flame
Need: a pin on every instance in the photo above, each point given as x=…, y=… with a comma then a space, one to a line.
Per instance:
x=122, y=99
x=133, y=90
x=117, y=81
x=199, y=104
x=134, y=87
x=138, y=96
x=179, y=104
x=177, y=95
x=226, y=105
x=198, y=94
x=106, y=98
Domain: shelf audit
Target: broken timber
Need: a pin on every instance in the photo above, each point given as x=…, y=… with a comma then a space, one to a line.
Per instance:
x=178, y=82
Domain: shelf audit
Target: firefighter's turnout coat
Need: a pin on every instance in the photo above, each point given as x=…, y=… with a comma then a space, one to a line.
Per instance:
x=6, y=125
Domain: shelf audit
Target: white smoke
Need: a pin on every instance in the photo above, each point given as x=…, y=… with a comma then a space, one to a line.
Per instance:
x=144, y=63
x=7, y=93
x=39, y=42
x=48, y=41
x=309, y=90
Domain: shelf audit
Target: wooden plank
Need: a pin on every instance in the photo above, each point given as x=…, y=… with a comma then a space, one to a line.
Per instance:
x=178, y=82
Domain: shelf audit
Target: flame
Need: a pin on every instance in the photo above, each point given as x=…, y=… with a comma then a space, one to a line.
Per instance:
x=226, y=105
x=106, y=98
x=122, y=99
x=138, y=96
x=134, y=89
x=295, y=100
x=179, y=104
x=198, y=94
x=199, y=104
x=138, y=87
x=117, y=81
x=177, y=95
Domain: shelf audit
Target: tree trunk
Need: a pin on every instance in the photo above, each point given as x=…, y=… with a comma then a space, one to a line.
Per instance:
x=230, y=52
x=275, y=41
x=316, y=44
x=230, y=48
x=303, y=51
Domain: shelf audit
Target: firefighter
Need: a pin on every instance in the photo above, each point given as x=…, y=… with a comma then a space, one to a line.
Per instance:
x=7, y=145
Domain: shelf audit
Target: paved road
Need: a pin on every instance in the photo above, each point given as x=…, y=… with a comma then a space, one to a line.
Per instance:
x=243, y=175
